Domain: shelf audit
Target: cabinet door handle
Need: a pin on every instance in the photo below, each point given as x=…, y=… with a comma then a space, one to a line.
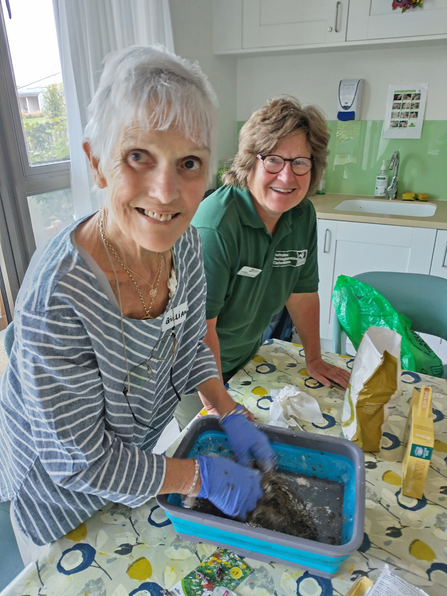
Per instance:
x=337, y=8
x=327, y=241
x=444, y=264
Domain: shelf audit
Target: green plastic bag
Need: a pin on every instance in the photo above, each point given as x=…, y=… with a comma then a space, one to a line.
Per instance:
x=358, y=306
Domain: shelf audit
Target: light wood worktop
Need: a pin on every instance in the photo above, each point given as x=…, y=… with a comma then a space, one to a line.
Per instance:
x=325, y=208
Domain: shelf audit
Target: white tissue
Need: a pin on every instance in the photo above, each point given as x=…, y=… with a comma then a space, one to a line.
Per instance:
x=289, y=403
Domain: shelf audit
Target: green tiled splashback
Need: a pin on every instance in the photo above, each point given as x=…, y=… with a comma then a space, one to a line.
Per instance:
x=357, y=150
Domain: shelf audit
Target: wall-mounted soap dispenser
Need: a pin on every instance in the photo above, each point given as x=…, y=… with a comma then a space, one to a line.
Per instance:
x=349, y=99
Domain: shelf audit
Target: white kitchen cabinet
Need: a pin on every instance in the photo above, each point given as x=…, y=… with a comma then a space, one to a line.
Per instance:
x=327, y=237
x=439, y=263
x=245, y=25
x=376, y=20
x=293, y=23
x=349, y=248
x=227, y=25
x=439, y=268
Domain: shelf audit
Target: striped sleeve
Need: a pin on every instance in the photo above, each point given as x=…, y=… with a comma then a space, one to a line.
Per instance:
x=198, y=361
x=63, y=395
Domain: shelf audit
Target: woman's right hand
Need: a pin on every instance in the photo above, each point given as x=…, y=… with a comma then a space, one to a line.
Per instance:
x=232, y=488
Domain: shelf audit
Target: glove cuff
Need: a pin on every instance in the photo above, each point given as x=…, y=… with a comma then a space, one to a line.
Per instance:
x=237, y=410
x=189, y=500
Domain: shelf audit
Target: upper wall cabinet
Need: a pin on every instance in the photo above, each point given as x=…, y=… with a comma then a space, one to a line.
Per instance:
x=375, y=19
x=279, y=23
x=247, y=26
x=227, y=26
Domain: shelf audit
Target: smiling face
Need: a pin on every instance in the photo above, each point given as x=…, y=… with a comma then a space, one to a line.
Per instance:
x=154, y=181
x=274, y=194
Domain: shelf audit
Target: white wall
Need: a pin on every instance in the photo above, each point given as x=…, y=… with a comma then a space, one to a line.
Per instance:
x=314, y=78
x=192, y=24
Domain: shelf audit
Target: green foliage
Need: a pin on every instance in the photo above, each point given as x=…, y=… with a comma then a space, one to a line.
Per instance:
x=54, y=102
x=55, y=206
x=220, y=173
x=47, y=140
x=32, y=115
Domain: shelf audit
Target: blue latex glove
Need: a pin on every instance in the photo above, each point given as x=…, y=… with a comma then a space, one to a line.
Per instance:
x=246, y=439
x=233, y=489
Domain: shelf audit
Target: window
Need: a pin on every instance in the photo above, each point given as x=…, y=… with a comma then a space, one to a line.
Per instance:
x=35, y=162
x=32, y=40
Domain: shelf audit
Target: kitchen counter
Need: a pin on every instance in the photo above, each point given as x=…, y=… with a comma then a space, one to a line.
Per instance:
x=325, y=208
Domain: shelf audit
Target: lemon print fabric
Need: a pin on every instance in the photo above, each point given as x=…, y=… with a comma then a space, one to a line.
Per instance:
x=140, y=569
x=78, y=534
x=260, y=391
x=440, y=446
x=258, y=359
x=392, y=478
x=421, y=551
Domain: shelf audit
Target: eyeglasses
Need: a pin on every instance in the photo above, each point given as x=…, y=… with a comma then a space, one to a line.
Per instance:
x=273, y=164
x=139, y=376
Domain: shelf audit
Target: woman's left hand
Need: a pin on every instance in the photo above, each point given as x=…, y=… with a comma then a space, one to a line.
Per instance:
x=245, y=440
x=327, y=374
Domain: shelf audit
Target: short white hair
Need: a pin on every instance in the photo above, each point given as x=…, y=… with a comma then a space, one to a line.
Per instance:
x=137, y=78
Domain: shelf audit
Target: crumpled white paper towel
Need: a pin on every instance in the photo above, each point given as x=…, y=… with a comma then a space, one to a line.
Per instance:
x=290, y=402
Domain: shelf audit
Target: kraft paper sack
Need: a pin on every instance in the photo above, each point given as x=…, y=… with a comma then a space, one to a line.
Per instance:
x=373, y=388
x=420, y=440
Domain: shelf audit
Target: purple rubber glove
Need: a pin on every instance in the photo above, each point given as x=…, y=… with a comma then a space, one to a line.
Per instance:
x=246, y=439
x=233, y=489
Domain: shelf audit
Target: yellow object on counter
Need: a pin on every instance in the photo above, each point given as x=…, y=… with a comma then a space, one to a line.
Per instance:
x=422, y=196
x=408, y=196
x=360, y=587
x=420, y=441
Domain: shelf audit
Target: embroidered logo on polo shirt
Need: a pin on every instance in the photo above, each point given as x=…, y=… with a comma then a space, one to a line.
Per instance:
x=290, y=258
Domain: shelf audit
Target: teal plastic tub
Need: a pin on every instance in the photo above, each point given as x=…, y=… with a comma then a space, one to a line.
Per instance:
x=331, y=472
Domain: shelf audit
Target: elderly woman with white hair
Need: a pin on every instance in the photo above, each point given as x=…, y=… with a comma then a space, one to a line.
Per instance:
x=109, y=328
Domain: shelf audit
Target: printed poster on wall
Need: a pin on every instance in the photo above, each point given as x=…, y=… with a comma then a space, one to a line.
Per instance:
x=405, y=109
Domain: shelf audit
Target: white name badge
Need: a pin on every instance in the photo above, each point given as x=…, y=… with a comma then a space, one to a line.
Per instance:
x=179, y=316
x=249, y=271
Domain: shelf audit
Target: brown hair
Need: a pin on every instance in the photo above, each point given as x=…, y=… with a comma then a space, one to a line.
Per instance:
x=280, y=118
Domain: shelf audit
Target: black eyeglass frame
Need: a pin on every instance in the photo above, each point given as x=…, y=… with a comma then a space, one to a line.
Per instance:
x=146, y=363
x=284, y=159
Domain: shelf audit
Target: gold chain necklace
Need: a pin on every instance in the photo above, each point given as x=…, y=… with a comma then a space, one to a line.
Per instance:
x=154, y=287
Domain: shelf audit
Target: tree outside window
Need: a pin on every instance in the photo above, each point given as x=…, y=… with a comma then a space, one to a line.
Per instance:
x=46, y=132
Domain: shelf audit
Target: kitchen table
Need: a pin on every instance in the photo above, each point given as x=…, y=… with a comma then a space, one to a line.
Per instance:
x=128, y=552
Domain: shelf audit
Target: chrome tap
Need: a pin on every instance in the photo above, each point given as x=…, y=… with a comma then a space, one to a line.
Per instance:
x=391, y=191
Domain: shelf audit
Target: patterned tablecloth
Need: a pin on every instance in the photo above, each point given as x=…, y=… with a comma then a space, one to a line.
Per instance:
x=127, y=552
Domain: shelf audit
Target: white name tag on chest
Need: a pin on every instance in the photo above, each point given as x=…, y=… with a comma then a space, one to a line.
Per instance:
x=249, y=271
x=174, y=316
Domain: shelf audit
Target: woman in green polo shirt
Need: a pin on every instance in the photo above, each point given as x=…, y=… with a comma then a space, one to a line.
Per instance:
x=259, y=240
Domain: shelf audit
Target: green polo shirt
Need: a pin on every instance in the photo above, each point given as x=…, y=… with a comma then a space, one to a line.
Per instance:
x=235, y=241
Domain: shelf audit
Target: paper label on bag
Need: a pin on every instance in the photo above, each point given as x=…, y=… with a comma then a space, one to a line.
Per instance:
x=421, y=452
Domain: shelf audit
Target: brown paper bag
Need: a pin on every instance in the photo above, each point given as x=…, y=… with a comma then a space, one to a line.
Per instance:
x=373, y=388
x=419, y=439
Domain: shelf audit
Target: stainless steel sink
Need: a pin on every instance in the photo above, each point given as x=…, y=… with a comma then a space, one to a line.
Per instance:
x=407, y=208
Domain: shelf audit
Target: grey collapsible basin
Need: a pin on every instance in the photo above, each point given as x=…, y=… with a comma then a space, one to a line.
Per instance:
x=329, y=470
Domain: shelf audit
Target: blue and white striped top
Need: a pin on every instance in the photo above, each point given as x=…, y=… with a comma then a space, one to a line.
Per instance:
x=68, y=441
